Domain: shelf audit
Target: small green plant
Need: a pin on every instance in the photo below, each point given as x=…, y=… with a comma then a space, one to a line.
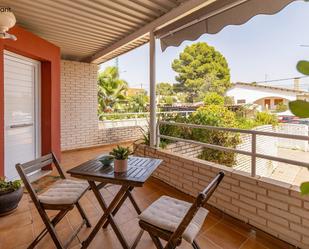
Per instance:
x=121, y=153
x=281, y=107
x=213, y=98
x=265, y=118
x=9, y=186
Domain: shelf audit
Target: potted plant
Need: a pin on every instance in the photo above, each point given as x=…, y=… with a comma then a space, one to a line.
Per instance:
x=10, y=195
x=120, y=155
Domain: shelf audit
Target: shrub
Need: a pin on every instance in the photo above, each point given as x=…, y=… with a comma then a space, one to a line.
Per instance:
x=220, y=116
x=168, y=130
x=281, y=107
x=266, y=118
x=216, y=115
x=213, y=98
x=229, y=100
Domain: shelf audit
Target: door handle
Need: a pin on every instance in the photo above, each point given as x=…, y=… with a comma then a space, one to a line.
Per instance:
x=20, y=125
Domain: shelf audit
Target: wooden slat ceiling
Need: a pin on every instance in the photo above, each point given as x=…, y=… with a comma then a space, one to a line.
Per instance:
x=83, y=27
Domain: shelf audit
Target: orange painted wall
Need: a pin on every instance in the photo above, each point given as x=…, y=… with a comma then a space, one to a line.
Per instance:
x=34, y=47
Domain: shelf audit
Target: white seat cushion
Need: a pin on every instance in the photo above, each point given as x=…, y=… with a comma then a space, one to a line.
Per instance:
x=63, y=192
x=167, y=213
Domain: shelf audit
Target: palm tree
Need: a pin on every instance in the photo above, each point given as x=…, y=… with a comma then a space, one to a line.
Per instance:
x=111, y=89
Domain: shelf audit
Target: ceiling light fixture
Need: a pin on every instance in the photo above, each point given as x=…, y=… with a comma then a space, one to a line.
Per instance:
x=7, y=21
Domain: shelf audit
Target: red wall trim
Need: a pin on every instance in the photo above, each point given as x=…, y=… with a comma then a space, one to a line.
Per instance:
x=1, y=113
x=34, y=47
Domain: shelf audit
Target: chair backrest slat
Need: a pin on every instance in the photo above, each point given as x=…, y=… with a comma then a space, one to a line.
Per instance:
x=26, y=168
x=35, y=167
x=37, y=161
x=200, y=200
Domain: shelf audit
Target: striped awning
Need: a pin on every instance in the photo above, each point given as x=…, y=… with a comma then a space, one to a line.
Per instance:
x=215, y=17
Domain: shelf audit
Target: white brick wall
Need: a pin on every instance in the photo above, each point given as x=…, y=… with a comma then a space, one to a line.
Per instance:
x=191, y=150
x=274, y=207
x=79, y=121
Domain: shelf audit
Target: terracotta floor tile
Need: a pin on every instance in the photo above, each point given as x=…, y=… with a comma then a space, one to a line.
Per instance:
x=269, y=241
x=146, y=242
x=238, y=226
x=15, y=221
x=105, y=239
x=218, y=232
x=252, y=244
x=205, y=243
x=209, y=223
x=47, y=243
x=224, y=236
x=18, y=237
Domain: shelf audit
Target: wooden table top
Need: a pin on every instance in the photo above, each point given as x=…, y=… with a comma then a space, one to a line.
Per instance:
x=139, y=170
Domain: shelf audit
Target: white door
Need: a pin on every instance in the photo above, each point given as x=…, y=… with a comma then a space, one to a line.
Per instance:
x=21, y=109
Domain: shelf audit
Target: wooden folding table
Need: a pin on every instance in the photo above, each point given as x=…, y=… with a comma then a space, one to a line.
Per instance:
x=139, y=170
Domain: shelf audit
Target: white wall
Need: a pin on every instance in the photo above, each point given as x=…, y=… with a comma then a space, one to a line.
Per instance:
x=251, y=94
x=79, y=120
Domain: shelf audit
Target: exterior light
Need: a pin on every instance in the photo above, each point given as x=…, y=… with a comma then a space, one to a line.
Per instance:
x=7, y=21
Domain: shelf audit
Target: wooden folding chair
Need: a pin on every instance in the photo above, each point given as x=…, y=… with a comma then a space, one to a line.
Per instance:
x=172, y=219
x=63, y=195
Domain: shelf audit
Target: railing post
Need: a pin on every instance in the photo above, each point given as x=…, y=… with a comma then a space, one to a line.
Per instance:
x=253, y=156
x=158, y=135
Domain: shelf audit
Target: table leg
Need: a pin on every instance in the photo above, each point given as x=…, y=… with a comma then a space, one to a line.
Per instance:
x=138, y=211
x=107, y=215
x=132, y=199
x=127, y=194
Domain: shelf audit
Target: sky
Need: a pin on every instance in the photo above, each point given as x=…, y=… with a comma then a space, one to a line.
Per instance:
x=265, y=48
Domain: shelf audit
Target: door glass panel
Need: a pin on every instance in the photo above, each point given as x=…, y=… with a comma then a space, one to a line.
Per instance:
x=20, y=133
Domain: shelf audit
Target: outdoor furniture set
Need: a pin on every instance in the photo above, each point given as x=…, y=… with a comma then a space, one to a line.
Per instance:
x=167, y=218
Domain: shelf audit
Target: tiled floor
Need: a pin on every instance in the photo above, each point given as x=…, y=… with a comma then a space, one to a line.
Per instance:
x=219, y=231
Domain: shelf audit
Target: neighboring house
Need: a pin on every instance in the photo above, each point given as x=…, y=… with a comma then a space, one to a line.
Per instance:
x=267, y=97
x=134, y=91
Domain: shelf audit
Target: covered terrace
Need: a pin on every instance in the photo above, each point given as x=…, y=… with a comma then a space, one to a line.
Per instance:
x=63, y=42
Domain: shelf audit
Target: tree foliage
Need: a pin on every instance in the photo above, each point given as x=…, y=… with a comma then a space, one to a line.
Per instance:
x=111, y=89
x=201, y=68
x=164, y=89
x=138, y=103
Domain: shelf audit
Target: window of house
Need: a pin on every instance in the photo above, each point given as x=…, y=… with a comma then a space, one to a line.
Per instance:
x=278, y=101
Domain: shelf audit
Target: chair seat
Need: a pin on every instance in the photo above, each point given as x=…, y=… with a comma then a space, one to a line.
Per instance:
x=64, y=192
x=167, y=213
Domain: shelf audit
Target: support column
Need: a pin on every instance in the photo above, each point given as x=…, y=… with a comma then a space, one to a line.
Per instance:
x=152, y=82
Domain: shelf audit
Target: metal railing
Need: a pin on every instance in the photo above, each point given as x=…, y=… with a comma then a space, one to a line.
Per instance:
x=131, y=118
x=253, y=153
x=133, y=115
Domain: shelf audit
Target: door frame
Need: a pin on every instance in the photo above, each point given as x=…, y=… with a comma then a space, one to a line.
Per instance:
x=37, y=98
